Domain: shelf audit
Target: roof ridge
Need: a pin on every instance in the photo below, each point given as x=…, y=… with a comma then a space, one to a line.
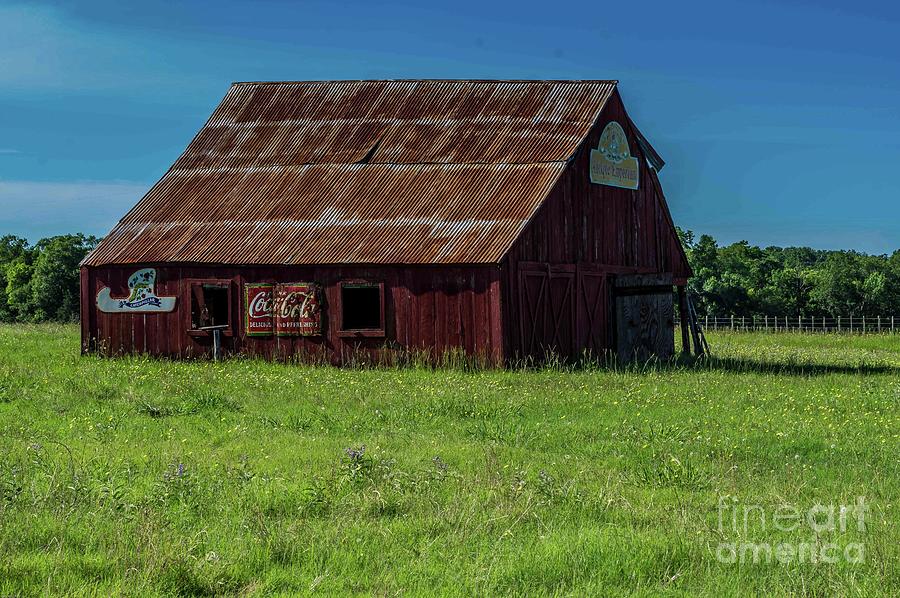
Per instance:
x=434, y=80
x=259, y=167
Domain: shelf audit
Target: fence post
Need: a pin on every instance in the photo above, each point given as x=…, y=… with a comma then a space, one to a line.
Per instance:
x=864, y=325
x=839, y=323
x=879, y=324
x=892, y=324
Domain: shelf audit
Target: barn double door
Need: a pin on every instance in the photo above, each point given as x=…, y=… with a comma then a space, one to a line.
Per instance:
x=645, y=322
x=563, y=309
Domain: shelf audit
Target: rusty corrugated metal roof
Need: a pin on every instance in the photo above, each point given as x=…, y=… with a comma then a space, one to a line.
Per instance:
x=419, y=172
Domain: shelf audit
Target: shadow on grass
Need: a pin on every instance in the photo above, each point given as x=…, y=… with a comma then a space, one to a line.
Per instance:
x=789, y=366
x=458, y=361
x=730, y=364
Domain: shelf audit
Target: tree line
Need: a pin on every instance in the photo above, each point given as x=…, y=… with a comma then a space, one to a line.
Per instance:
x=745, y=280
x=40, y=282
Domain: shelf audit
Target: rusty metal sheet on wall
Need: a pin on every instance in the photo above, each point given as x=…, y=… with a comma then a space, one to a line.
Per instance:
x=298, y=309
x=258, y=314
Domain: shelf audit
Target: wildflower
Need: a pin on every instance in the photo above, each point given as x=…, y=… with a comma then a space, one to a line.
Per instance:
x=175, y=473
x=356, y=454
x=545, y=478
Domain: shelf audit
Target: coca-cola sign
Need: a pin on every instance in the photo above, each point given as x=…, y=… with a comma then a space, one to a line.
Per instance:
x=258, y=302
x=297, y=309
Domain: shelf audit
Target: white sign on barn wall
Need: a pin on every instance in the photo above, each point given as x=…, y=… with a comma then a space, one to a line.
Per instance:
x=142, y=296
x=612, y=163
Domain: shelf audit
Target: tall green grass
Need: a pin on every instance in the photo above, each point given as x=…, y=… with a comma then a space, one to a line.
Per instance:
x=145, y=477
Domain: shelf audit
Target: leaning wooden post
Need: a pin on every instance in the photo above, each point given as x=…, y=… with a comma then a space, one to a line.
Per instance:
x=700, y=346
x=683, y=314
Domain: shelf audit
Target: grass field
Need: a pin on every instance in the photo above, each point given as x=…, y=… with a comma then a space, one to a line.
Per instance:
x=143, y=477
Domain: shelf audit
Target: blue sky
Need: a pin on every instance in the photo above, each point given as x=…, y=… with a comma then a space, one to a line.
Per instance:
x=779, y=121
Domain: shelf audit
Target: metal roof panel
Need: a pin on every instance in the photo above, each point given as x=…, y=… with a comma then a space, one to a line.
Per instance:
x=423, y=172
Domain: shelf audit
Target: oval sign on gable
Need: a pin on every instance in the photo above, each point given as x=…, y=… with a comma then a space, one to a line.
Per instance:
x=612, y=163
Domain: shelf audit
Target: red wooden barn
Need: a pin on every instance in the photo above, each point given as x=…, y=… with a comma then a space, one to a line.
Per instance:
x=329, y=219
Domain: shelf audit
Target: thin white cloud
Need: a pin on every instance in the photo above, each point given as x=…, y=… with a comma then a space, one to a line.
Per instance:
x=35, y=209
x=8, y=150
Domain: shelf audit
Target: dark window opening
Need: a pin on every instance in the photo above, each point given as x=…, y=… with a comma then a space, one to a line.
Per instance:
x=209, y=305
x=361, y=307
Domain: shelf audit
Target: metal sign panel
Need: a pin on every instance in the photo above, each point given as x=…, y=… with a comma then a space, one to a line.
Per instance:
x=258, y=302
x=297, y=309
x=612, y=163
x=141, y=297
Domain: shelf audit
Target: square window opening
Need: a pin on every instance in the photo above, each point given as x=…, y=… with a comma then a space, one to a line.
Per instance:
x=209, y=306
x=361, y=307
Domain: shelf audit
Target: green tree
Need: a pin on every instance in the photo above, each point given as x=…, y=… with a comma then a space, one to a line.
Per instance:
x=744, y=280
x=12, y=249
x=686, y=237
x=55, y=282
x=787, y=292
x=18, y=289
x=837, y=285
x=703, y=259
x=873, y=293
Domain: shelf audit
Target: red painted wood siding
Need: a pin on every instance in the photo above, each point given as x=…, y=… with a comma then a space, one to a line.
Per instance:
x=426, y=308
x=596, y=227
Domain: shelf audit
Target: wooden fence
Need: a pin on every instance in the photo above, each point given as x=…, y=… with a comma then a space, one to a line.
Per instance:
x=847, y=324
